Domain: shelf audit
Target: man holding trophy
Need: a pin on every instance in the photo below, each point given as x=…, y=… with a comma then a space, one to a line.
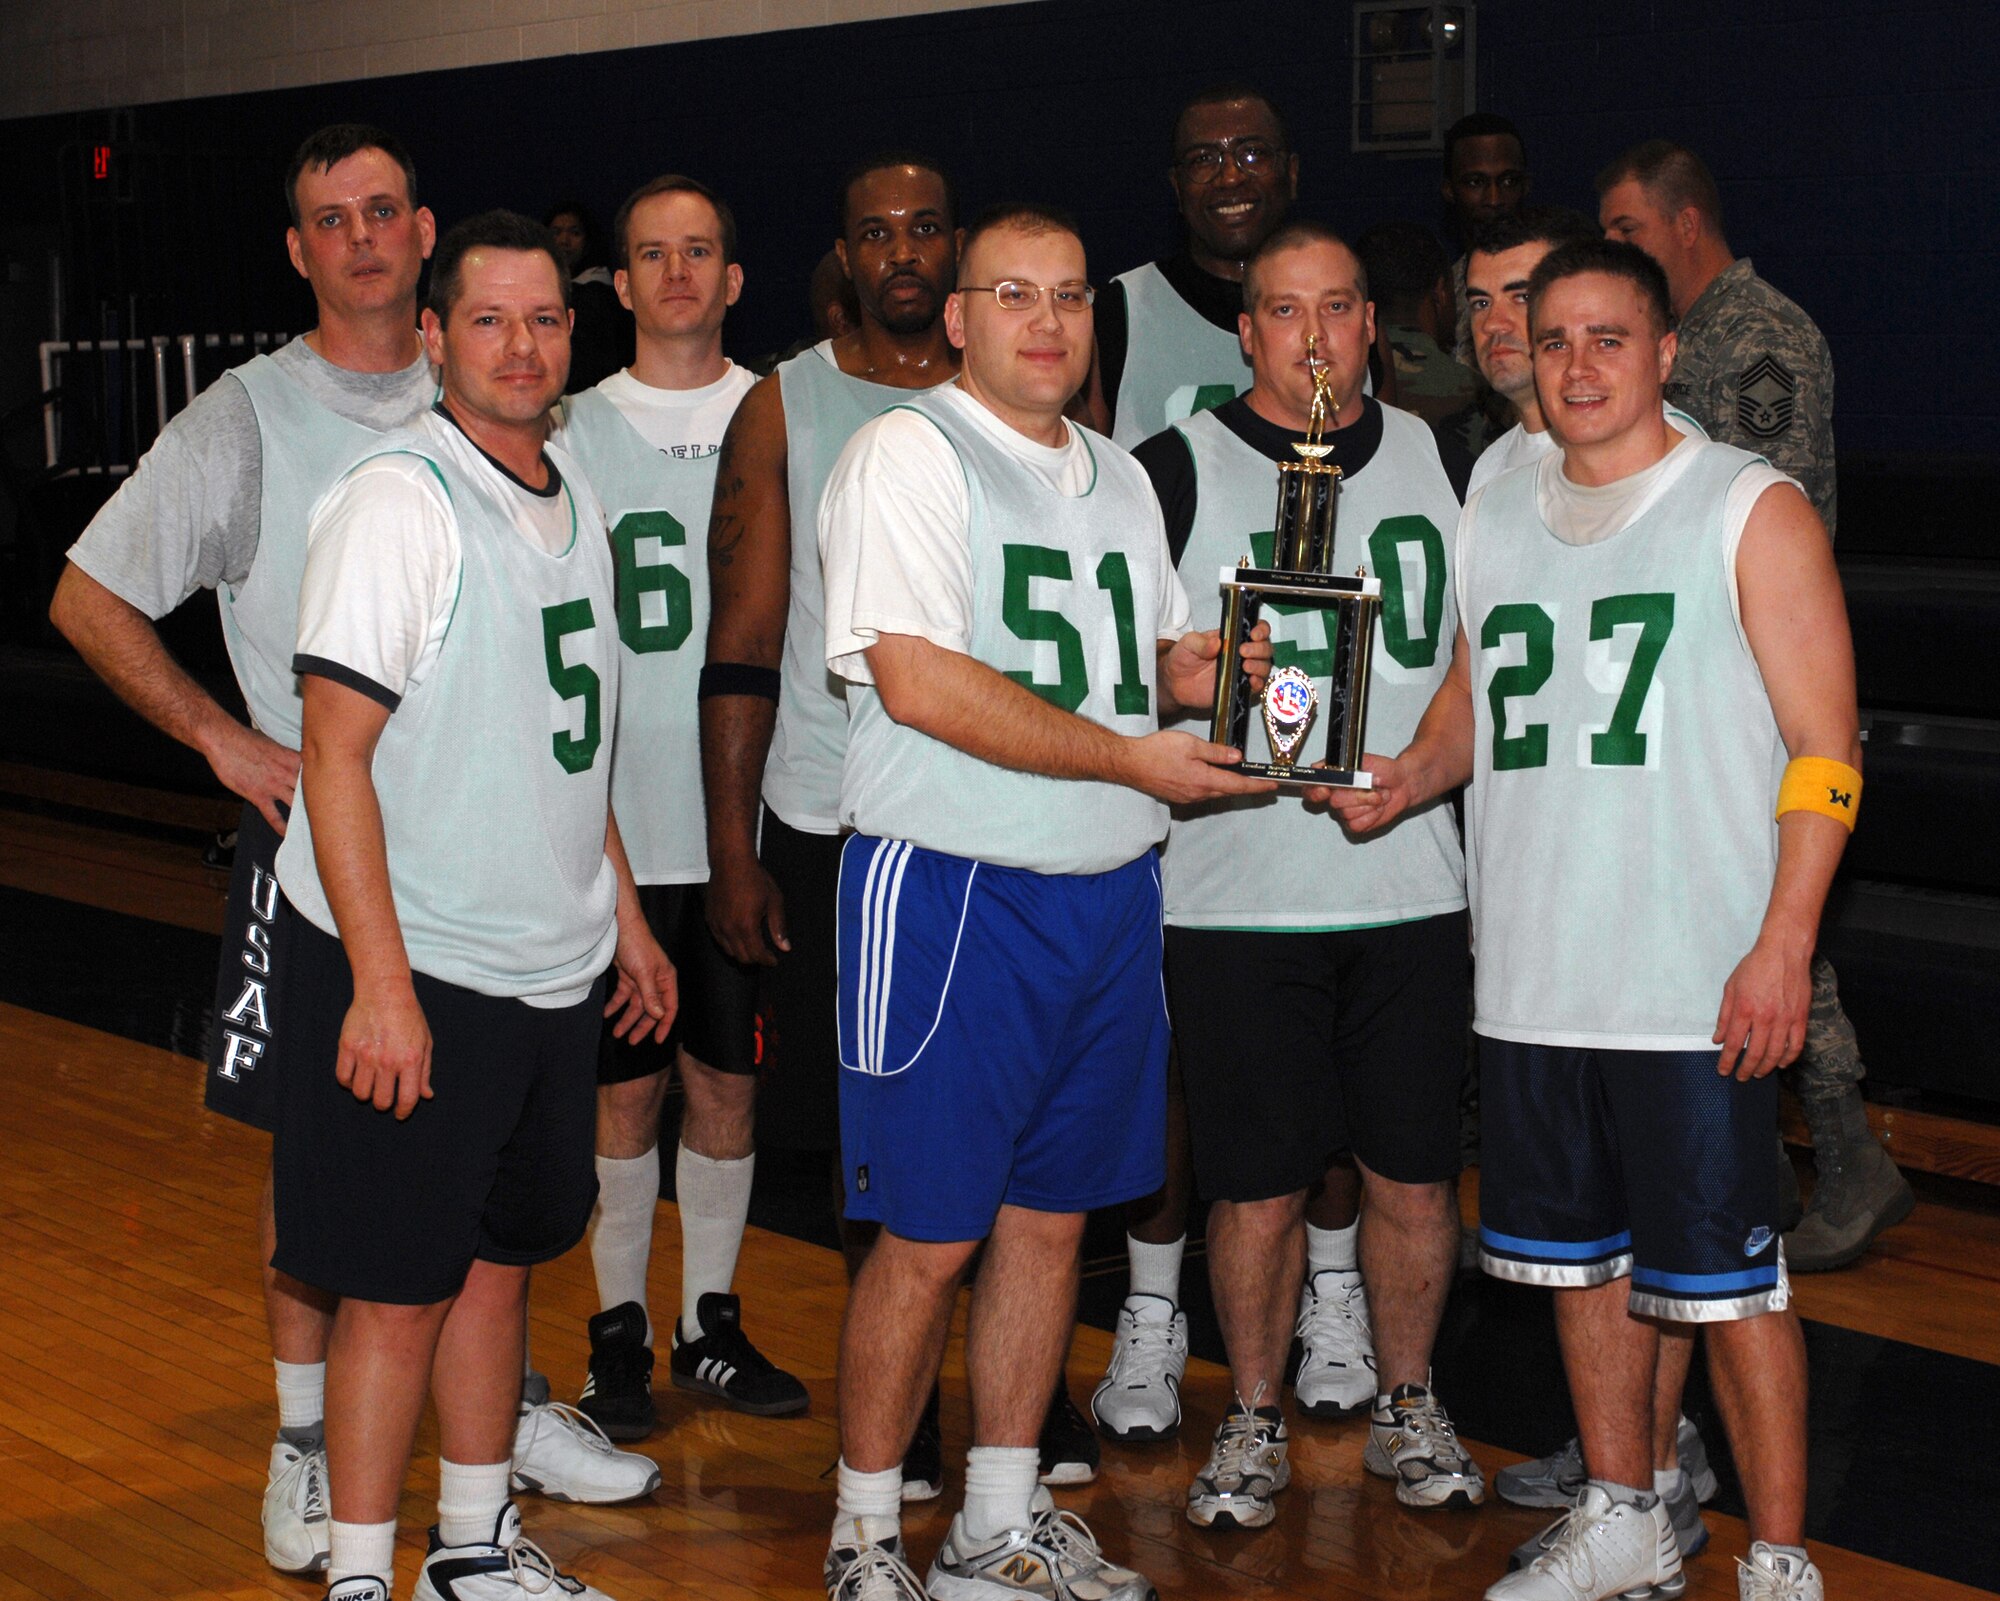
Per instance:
x=1317, y=982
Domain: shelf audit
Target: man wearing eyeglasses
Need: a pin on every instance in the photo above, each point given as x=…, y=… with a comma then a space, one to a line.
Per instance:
x=1166, y=331
x=1485, y=176
x=1002, y=604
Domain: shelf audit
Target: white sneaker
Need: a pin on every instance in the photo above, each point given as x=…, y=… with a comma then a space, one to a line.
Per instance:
x=295, y=1510
x=1604, y=1549
x=1139, y=1397
x=1411, y=1440
x=560, y=1453
x=1337, y=1351
x=510, y=1567
x=1773, y=1576
x=1247, y=1466
x=359, y=1587
x=862, y=1568
x=1056, y=1556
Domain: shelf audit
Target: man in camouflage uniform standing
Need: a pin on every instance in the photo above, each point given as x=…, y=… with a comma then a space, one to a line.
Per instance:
x=1755, y=372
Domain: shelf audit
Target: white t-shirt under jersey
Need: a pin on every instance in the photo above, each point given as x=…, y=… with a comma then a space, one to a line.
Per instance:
x=383, y=578
x=687, y=424
x=922, y=509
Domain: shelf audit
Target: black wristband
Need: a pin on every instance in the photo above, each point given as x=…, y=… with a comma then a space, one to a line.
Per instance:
x=738, y=678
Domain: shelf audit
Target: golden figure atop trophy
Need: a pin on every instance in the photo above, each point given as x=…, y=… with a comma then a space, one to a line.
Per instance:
x=1301, y=575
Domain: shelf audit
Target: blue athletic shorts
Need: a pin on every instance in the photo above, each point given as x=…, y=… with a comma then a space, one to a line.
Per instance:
x=1599, y=1163
x=1003, y=1038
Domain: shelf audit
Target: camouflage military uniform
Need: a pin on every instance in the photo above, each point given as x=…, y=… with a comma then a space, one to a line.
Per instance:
x=1755, y=372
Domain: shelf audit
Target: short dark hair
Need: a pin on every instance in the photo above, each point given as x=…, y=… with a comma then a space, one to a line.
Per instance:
x=1533, y=225
x=1481, y=125
x=670, y=183
x=1672, y=174
x=1290, y=237
x=329, y=146
x=1228, y=93
x=491, y=230
x=1613, y=257
x=592, y=254
x=1403, y=261
x=1018, y=216
x=886, y=159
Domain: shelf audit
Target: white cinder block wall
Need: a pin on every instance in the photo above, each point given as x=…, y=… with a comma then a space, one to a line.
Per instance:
x=76, y=55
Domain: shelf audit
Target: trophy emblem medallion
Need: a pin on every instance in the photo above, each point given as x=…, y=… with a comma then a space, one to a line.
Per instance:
x=1290, y=702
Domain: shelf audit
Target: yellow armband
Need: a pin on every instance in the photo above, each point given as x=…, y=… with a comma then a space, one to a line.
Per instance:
x=1820, y=784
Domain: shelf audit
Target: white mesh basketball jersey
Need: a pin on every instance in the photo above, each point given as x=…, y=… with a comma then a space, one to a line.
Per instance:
x=1177, y=362
x=1620, y=842
x=1066, y=597
x=1267, y=862
x=823, y=407
x=493, y=774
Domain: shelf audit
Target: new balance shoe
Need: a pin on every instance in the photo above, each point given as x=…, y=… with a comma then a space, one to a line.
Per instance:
x=1070, y=1452
x=295, y=1508
x=1139, y=1397
x=1056, y=1556
x=1772, y=1575
x=723, y=1363
x=1336, y=1376
x=359, y=1587
x=1411, y=1440
x=1683, y=1512
x=869, y=1570
x=1555, y=1481
x=923, y=1462
x=1247, y=1466
x=509, y=1567
x=618, y=1392
x=560, y=1453
x=1601, y=1550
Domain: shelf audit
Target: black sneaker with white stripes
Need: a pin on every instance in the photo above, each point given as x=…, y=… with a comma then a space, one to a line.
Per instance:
x=723, y=1363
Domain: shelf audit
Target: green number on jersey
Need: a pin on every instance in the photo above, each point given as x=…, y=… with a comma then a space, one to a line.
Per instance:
x=1114, y=577
x=1622, y=745
x=1024, y=564
x=1530, y=747
x=1286, y=652
x=572, y=682
x=1208, y=396
x=1407, y=647
x=637, y=579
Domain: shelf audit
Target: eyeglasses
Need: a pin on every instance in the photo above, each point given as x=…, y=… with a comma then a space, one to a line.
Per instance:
x=1508, y=183
x=1203, y=163
x=1011, y=294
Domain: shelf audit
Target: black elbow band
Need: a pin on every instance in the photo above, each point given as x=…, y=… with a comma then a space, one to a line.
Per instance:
x=738, y=678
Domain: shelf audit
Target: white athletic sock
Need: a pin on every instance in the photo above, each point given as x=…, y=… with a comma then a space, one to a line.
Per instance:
x=999, y=1485
x=1667, y=1482
x=1335, y=1249
x=1630, y=1494
x=471, y=1497
x=361, y=1550
x=621, y=1229
x=1155, y=1269
x=868, y=1507
x=715, y=1204
x=301, y=1394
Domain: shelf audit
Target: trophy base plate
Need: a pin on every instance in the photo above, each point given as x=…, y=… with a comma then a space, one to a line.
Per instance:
x=1306, y=777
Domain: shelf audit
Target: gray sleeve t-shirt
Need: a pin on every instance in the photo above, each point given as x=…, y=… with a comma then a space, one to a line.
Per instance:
x=188, y=517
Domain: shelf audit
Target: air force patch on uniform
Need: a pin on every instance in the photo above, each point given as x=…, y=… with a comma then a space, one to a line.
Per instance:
x=1766, y=396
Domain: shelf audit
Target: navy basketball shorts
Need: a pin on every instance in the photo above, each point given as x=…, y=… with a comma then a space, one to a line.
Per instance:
x=1294, y=1047
x=717, y=1019
x=243, y=1051
x=798, y=1103
x=497, y=1166
x=1599, y=1163
x=1003, y=1038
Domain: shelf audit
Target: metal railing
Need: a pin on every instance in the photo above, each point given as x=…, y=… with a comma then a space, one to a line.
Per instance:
x=152, y=364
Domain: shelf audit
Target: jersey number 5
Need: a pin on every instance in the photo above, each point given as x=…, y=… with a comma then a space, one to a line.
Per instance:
x=1620, y=743
x=574, y=681
x=637, y=580
x=1026, y=563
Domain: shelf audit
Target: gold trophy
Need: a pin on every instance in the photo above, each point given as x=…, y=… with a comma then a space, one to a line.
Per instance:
x=1301, y=574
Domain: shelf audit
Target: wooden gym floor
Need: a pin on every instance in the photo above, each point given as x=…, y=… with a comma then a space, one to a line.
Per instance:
x=135, y=1395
